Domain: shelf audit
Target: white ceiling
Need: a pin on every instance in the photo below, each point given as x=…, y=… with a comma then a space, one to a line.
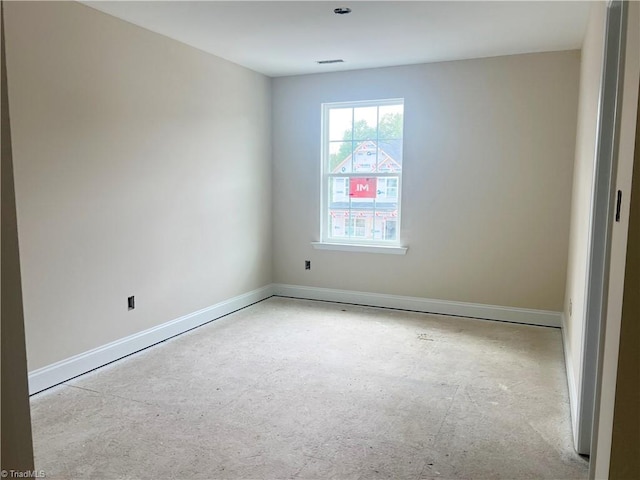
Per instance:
x=287, y=38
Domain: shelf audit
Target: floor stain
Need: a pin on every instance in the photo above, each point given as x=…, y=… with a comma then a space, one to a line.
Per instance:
x=425, y=337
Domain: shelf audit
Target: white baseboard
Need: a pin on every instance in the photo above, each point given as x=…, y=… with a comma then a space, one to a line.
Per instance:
x=64, y=370
x=573, y=390
x=69, y=368
x=474, y=310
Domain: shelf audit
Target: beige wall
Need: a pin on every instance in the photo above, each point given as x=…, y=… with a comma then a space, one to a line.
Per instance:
x=581, y=200
x=142, y=167
x=488, y=158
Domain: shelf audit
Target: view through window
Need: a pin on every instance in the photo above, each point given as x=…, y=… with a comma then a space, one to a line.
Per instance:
x=362, y=172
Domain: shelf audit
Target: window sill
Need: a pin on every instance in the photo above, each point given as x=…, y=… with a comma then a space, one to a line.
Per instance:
x=348, y=247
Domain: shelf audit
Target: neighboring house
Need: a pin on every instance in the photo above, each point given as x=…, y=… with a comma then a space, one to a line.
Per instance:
x=367, y=207
x=363, y=159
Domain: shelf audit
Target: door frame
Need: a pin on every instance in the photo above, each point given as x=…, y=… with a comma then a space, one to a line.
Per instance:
x=601, y=220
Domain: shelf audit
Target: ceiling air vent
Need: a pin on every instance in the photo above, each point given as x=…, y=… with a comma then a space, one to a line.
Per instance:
x=324, y=62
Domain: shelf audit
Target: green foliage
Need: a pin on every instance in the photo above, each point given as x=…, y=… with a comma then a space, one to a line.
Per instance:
x=390, y=128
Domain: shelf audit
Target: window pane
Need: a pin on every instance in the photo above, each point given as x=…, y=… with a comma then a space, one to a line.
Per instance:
x=378, y=226
x=362, y=193
x=340, y=157
x=362, y=205
x=340, y=124
x=359, y=224
x=365, y=120
x=387, y=193
x=390, y=156
x=337, y=222
x=365, y=225
x=390, y=121
x=390, y=231
x=364, y=157
x=339, y=192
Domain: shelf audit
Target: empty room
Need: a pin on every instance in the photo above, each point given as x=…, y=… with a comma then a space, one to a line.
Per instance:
x=312, y=239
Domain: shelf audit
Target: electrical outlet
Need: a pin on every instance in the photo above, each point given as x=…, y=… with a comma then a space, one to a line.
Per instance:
x=307, y=264
x=570, y=307
x=131, y=302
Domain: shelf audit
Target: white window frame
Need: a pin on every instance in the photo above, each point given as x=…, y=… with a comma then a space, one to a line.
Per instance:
x=354, y=243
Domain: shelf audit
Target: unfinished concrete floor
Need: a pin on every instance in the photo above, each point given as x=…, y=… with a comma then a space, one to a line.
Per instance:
x=301, y=389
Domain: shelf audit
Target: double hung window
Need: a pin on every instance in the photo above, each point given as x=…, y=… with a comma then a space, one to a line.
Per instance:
x=362, y=172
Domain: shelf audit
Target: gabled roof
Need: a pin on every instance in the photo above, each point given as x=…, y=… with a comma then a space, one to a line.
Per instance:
x=388, y=151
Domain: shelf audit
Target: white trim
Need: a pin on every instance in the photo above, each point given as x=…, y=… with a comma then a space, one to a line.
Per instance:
x=601, y=228
x=69, y=368
x=64, y=370
x=418, y=304
x=571, y=383
x=348, y=247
